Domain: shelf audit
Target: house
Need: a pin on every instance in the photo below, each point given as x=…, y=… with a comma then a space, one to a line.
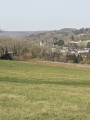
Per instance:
x=75, y=41
x=87, y=48
x=72, y=52
x=53, y=49
x=64, y=50
x=7, y=56
x=83, y=53
x=10, y=53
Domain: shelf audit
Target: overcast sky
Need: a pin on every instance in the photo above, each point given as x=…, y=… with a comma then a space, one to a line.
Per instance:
x=33, y=15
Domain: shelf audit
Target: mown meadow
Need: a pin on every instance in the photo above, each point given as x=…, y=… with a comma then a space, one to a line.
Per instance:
x=31, y=91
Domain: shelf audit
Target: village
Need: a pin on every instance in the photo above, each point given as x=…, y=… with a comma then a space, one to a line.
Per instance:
x=73, y=48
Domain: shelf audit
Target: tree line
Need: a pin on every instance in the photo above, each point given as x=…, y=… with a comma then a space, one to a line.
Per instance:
x=26, y=50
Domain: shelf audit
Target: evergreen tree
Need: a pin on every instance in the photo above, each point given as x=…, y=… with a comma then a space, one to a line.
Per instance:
x=79, y=58
x=88, y=56
x=88, y=45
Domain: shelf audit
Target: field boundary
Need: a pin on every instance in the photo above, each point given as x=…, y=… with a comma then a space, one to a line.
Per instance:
x=61, y=64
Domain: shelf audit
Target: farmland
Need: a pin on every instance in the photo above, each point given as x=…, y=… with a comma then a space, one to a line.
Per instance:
x=31, y=91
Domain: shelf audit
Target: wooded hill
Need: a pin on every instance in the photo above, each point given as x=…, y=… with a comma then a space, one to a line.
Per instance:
x=42, y=43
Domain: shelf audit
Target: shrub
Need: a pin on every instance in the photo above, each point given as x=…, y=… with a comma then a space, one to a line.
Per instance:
x=88, y=62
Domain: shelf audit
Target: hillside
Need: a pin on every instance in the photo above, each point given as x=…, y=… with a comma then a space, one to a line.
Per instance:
x=30, y=91
x=54, y=45
x=67, y=35
x=51, y=36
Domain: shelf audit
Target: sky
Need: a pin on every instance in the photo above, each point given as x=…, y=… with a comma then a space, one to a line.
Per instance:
x=37, y=15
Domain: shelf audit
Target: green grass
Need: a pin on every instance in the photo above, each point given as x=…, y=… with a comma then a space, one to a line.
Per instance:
x=83, y=43
x=37, y=92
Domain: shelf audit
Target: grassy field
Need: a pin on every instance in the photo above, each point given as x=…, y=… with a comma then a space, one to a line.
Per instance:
x=37, y=92
x=83, y=43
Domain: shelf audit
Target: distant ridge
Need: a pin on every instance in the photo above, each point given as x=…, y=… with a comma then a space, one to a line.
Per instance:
x=19, y=33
